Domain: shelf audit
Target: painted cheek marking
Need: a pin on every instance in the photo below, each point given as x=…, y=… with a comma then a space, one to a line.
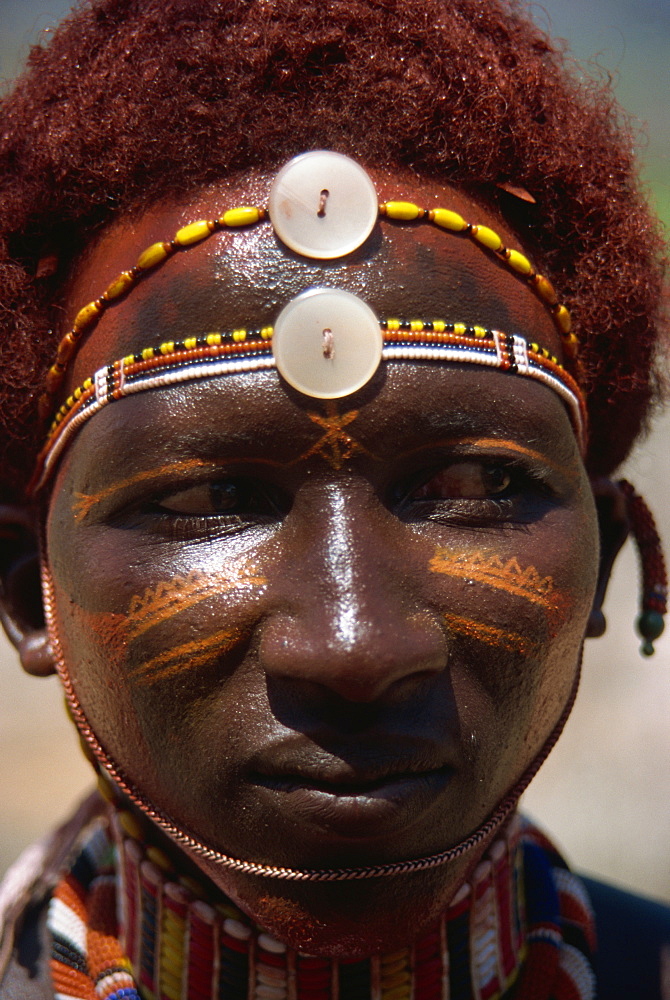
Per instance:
x=85, y=502
x=108, y=628
x=170, y=597
x=490, y=635
x=336, y=446
x=185, y=657
x=493, y=572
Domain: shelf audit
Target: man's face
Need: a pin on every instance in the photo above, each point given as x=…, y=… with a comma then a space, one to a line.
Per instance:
x=322, y=634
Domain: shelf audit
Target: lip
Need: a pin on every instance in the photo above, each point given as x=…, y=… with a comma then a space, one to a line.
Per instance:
x=356, y=806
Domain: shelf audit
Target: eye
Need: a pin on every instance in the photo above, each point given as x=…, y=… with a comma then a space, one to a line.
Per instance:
x=227, y=496
x=222, y=506
x=229, y=502
x=465, y=480
x=476, y=492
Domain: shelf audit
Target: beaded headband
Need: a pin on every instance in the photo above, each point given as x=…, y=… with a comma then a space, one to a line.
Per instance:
x=216, y=354
x=322, y=205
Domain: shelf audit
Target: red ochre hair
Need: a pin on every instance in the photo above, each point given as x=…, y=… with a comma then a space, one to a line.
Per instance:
x=133, y=101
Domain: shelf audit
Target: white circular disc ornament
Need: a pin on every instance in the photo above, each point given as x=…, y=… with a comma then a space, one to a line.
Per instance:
x=327, y=343
x=323, y=204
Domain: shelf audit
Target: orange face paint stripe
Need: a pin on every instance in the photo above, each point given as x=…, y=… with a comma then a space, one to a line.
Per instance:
x=85, y=502
x=489, y=634
x=169, y=598
x=569, y=472
x=170, y=662
x=192, y=646
x=177, y=668
x=492, y=572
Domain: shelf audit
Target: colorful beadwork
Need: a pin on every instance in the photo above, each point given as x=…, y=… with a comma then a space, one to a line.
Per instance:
x=483, y=236
x=241, y=217
x=149, y=260
x=251, y=350
x=507, y=929
x=86, y=961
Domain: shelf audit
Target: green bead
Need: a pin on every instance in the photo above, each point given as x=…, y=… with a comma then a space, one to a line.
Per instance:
x=650, y=625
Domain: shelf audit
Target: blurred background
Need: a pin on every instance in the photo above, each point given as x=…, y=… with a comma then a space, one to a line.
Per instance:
x=604, y=793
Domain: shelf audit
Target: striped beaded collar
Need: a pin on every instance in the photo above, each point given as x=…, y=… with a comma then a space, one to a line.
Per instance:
x=505, y=929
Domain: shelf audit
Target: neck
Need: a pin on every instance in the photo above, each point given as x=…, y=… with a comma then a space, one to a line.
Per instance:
x=173, y=934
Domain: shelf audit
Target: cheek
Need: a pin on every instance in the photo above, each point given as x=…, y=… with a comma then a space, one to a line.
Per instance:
x=188, y=621
x=515, y=615
x=176, y=633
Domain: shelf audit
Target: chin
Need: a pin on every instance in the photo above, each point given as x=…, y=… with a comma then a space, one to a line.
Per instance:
x=347, y=920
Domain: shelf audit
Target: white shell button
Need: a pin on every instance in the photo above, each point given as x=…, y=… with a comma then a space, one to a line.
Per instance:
x=323, y=204
x=327, y=343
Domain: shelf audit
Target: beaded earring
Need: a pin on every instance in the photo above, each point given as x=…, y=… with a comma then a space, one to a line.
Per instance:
x=654, y=583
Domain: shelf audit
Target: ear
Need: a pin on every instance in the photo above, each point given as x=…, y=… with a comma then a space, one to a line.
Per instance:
x=614, y=525
x=21, y=610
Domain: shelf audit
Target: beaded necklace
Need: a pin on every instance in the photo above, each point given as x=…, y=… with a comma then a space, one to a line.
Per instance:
x=125, y=926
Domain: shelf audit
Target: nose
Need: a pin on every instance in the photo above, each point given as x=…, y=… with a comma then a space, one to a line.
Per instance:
x=346, y=615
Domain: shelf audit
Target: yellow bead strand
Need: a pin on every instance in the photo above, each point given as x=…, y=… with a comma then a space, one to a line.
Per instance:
x=246, y=215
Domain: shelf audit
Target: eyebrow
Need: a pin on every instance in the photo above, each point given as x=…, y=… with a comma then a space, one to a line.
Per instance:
x=570, y=470
x=85, y=502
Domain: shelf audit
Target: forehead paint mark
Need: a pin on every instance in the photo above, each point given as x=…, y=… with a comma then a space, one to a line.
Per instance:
x=570, y=471
x=336, y=446
x=185, y=657
x=514, y=642
x=170, y=597
x=84, y=503
x=493, y=572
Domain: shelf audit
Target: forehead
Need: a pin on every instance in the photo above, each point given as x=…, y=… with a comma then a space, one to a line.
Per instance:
x=244, y=278
x=408, y=415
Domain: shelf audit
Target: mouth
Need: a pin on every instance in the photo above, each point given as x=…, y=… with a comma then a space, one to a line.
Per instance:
x=355, y=806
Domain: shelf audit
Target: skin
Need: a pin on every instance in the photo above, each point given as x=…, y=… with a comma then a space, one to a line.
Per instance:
x=343, y=708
